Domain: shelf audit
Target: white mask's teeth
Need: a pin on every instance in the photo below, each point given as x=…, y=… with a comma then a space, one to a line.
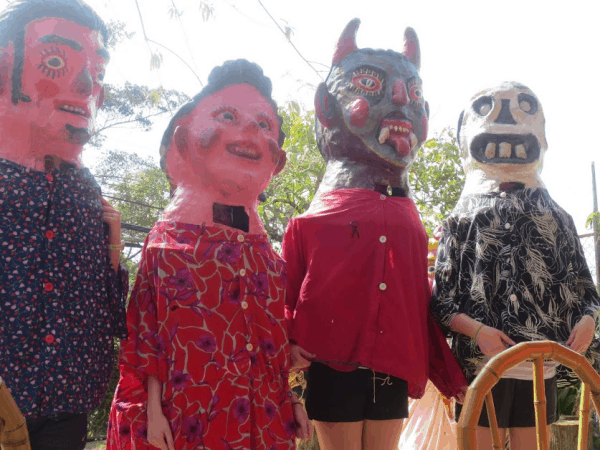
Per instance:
x=413, y=140
x=490, y=150
x=504, y=150
x=384, y=134
x=520, y=151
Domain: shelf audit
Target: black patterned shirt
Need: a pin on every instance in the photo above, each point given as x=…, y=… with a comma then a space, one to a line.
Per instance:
x=512, y=261
x=61, y=302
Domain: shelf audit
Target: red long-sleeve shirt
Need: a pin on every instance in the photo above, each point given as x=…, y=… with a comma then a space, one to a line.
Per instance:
x=357, y=289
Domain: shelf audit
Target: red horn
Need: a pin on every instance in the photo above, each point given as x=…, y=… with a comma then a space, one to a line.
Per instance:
x=347, y=42
x=412, y=49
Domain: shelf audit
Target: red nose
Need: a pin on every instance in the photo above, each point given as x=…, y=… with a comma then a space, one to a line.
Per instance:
x=399, y=94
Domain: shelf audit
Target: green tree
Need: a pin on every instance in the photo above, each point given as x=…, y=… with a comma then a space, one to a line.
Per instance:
x=437, y=179
x=291, y=192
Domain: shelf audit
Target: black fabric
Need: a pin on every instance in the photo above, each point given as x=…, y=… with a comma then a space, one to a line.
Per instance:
x=58, y=432
x=232, y=216
x=333, y=396
x=513, y=402
x=395, y=191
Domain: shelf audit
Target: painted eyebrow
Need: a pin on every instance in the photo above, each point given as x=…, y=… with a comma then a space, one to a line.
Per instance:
x=56, y=39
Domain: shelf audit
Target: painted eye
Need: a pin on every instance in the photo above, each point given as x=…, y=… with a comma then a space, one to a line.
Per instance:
x=366, y=81
x=227, y=115
x=54, y=62
x=264, y=124
x=416, y=93
x=528, y=103
x=483, y=105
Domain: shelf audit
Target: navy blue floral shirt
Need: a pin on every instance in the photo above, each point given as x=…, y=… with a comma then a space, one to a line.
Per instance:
x=61, y=302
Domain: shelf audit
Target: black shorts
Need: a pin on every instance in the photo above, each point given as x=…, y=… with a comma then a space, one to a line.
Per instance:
x=65, y=431
x=333, y=396
x=513, y=402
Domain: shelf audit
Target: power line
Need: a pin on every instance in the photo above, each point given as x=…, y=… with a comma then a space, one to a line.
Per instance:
x=131, y=201
x=186, y=39
x=290, y=41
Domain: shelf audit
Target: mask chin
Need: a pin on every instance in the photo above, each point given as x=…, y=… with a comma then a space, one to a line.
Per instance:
x=78, y=136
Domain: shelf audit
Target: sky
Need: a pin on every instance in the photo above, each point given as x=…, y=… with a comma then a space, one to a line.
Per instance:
x=465, y=45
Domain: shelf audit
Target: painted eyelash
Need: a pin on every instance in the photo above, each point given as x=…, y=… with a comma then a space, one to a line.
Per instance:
x=222, y=109
x=49, y=72
x=416, y=82
x=267, y=120
x=366, y=71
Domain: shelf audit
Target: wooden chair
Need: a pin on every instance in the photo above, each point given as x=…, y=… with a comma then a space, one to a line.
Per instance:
x=13, y=429
x=480, y=391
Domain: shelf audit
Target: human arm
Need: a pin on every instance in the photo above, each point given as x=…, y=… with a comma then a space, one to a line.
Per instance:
x=304, y=428
x=582, y=335
x=490, y=340
x=300, y=358
x=159, y=429
x=112, y=218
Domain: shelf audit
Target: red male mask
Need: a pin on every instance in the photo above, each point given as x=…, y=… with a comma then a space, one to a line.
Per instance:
x=60, y=93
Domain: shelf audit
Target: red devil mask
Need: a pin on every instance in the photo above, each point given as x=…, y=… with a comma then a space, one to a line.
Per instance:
x=61, y=89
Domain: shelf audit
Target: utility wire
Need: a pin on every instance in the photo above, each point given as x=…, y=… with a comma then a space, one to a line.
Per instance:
x=131, y=201
x=289, y=40
x=186, y=39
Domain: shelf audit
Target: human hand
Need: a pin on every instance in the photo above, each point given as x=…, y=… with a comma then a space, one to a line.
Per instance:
x=460, y=398
x=300, y=358
x=112, y=217
x=582, y=334
x=492, y=341
x=159, y=432
x=305, y=427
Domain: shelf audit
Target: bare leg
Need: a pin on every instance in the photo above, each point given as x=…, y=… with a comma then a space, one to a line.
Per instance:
x=524, y=438
x=381, y=434
x=339, y=435
x=484, y=439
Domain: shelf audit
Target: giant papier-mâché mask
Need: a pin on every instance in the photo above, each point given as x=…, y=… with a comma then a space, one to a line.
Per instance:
x=54, y=99
x=501, y=135
x=371, y=107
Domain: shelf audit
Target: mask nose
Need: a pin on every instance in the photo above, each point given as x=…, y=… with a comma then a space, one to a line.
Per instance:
x=399, y=94
x=505, y=117
x=83, y=83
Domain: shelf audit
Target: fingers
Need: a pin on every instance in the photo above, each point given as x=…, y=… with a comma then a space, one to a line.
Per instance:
x=305, y=353
x=170, y=442
x=506, y=339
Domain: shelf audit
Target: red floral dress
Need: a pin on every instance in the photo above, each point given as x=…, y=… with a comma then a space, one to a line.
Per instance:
x=206, y=318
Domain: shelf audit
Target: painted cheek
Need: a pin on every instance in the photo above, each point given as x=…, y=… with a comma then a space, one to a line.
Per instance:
x=47, y=88
x=208, y=138
x=424, y=127
x=359, y=112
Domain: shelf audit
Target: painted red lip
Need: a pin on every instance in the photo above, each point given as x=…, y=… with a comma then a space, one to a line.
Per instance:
x=397, y=133
x=73, y=108
x=245, y=149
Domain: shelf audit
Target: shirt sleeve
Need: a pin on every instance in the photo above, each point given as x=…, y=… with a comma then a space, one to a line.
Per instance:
x=144, y=351
x=444, y=303
x=589, y=301
x=117, y=285
x=296, y=270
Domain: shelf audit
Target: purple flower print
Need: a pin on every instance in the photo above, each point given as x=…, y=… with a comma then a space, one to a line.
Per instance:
x=179, y=379
x=270, y=410
x=260, y=281
x=290, y=427
x=231, y=291
x=207, y=343
x=124, y=429
x=192, y=428
x=182, y=281
x=241, y=409
x=141, y=432
x=229, y=253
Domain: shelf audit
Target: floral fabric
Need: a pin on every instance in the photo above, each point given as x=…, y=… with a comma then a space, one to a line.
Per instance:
x=206, y=318
x=61, y=302
x=512, y=261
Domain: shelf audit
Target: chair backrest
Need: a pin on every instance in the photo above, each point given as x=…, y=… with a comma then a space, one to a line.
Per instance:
x=13, y=428
x=480, y=391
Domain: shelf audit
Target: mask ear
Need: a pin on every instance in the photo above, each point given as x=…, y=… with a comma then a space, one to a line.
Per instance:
x=412, y=49
x=101, y=98
x=324, y=106
x=281, y=163
x=180, y=140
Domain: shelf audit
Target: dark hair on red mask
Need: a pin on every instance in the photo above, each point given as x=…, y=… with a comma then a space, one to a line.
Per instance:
x=19, y=13
x=230, y=73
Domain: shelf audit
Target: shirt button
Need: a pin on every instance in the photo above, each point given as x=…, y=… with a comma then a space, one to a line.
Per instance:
x=249, y=347
x=503, y=195
x=243, y=272
x=382, y=286
x=382, y=197
x=48, y=286
x=50, y=234
x=49, y=177
x=244, y=305
x=506, y=226
x=240, y=238
x=513, y=298
x=382, y=239
x=49, y=339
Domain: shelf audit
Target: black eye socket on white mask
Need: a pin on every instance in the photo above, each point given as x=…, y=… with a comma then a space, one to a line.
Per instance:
x=528, y=103
x=483, y=105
